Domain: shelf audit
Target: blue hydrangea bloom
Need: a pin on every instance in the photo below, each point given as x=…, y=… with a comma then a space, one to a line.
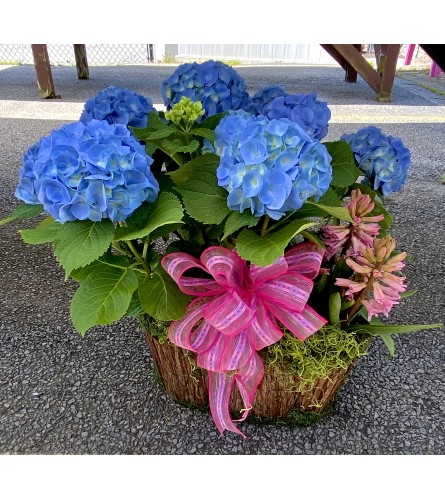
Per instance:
x=269, y=166
x=118, y=106
x=305, y=109
x=383, y=158
x=262, y=97
x=218, y=86
x=89, y=171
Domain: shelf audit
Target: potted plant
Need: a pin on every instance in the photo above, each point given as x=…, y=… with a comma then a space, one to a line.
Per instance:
x=258, y=257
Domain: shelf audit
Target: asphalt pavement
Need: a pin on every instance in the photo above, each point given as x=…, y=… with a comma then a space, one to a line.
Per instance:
x=63, y=394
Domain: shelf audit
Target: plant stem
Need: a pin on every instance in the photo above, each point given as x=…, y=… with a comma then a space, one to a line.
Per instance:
x=138, y=256
x=265, y=223
x=121, y=250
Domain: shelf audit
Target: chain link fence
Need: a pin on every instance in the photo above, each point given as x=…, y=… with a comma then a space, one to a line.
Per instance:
x=63, y=55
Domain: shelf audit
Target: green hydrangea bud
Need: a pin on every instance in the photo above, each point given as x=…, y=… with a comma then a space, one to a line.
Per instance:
x=185, y=112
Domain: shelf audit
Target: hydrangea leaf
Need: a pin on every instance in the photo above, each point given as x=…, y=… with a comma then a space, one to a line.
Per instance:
x=23, y=211
x=341, y=213
x=45, y=232
x=179, y=146
x=166, y=210
x=134, y=309
x=204, y=132
x=107, y=259
x=154, y=124
x=330, y=198
x=182, y=174
x=237, y=220
x=264, y=250
x=204, y=200
x=344, y=170
x=212, y=121
x=103, y=298
x=160, y=297
x=81, y=242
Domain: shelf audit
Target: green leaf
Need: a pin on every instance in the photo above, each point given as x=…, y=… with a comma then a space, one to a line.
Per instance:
x=330, y=198
x=106, y=260
x=103, y=298
x=204, y=132
x=344, y=169
x=389, y=342
x=179, y=146
x=264, y=250
x=154, y=124
x=312, y=237
x=23, y=211
x=408, y=293
x=334, y=308
x=81, y=242
x=237, y=220
x=212, y=121
x=166, y=210
x=45, y=232
x=160, y=133
x=339, y=212
x=161, y=298
x=182, y=174
x=204, y=200
x=390, y=329
x=134, y=309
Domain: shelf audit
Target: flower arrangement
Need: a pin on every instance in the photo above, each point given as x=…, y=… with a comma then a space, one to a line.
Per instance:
x=227, y=221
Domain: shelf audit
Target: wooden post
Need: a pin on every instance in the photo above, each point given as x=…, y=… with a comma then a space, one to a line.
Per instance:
x=80, y=53
x=386, y=58
x=43, y=72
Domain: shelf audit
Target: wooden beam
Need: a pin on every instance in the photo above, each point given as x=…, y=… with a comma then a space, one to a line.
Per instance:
x=80, y=53
x=44, y=75
x=387, y=65
x=350, y=72
x=360, y=64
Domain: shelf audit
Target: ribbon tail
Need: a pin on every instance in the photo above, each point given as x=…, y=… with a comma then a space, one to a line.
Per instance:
x=248, y=379
x=220, y=389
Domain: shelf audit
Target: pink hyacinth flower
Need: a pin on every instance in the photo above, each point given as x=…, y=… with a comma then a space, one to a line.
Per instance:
x=360, y=232
x=374, y=285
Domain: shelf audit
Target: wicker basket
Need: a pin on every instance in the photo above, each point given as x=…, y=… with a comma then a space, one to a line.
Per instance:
x=274, y=398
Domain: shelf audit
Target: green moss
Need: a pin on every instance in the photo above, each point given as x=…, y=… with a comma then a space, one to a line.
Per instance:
x=327, y=350
x=158, y=329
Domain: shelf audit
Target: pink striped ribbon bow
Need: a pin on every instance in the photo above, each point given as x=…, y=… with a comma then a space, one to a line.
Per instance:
x=235, y=314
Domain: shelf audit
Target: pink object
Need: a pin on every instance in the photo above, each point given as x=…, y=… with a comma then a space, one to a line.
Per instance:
x=235, y=314
x=435, y=69
x=357, y=233
x=409, y=54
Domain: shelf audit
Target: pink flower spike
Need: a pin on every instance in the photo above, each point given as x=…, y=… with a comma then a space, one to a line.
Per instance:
x=361, y=231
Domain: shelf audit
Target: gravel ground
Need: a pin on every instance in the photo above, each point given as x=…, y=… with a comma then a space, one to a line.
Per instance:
x=61, y=394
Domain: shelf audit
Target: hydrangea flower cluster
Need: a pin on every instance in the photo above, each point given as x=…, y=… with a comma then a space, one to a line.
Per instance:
x=262, y=97
x=118, y=106
x=269, y=166
x=87, y=171
x=304, y=109
x=218, y=86
x=383, y=158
